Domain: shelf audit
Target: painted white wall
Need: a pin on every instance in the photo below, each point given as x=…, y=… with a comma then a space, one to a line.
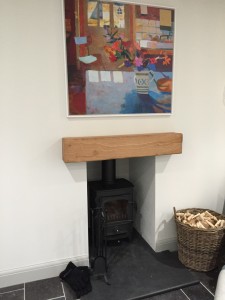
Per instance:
x=142, y=175
x=197, y=177
x=43, y=205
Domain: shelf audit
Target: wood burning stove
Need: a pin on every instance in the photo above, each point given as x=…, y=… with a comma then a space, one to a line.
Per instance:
x=110, y=214
x=111, y=203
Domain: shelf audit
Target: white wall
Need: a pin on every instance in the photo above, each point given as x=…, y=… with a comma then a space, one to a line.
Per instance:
x=197, y=177
x=43, y=206
x=142, y=175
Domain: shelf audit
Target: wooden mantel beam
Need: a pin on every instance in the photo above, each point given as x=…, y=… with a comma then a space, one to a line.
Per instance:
x=82, y=149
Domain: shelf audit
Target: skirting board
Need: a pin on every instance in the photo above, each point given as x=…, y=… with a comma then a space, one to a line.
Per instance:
x=38, y=271
x=167, y=244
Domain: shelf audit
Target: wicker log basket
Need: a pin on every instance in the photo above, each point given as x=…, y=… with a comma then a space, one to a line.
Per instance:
x=199, y=249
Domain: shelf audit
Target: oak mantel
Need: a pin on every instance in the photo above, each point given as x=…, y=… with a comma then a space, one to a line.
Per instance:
x=82, y=149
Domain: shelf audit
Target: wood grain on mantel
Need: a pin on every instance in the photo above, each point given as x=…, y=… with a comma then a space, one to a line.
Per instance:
x=81, y=149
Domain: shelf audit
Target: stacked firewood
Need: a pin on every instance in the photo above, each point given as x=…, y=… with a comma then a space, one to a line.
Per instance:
x=204, y=220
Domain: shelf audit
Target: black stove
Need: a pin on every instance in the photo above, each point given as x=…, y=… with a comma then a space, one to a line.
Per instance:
x=114, y=205
x=111, y=206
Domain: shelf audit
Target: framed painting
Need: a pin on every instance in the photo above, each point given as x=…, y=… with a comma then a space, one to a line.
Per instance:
x=119, y=58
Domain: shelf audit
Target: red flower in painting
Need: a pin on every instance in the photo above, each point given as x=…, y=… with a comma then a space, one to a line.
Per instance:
x=116, y=46
x=126, y=44
x=112, y=57
x=153, y=61
x=128, y=51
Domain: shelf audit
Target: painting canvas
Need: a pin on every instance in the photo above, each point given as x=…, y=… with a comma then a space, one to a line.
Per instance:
x=119, y=58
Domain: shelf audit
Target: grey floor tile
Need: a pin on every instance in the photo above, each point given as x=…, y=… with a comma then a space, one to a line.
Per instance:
x=15, y=295
x=53, y=288
x=12, y=288
x=209, y=279
x=174, y=295
x=69, y=293
x=44, y=289
x=197, y=292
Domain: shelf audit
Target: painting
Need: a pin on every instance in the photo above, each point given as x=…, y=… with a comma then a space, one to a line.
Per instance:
x=119, y=58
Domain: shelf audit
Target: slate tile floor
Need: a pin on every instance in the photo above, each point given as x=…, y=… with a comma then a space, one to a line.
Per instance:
x=54, y=289
x=165, y=263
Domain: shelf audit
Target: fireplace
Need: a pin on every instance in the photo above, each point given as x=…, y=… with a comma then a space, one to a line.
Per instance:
x=111, y=206
x=132, y=146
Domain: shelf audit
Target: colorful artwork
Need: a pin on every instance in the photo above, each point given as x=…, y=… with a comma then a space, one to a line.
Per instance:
x=119, y=58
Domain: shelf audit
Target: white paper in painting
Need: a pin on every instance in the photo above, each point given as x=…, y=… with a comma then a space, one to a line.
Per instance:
x=117, y=77
x=105, y=76
x=93, y=76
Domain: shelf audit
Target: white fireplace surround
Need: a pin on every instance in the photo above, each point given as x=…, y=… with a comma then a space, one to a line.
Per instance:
x=136, y=161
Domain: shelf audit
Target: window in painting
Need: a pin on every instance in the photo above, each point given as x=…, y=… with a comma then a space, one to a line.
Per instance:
x=93, y=13
x=105, y=20
x=119, y=15
x=99, y=14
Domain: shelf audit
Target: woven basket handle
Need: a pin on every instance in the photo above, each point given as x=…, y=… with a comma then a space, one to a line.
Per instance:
x=174, y=211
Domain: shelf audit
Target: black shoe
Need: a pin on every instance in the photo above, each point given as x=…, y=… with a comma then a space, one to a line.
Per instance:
x=78, y=278
x=67, y=270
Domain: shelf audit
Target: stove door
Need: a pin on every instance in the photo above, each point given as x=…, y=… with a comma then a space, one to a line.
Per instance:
x=118, y=213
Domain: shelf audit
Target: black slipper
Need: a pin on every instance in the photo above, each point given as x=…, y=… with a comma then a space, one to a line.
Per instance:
x=67, y=270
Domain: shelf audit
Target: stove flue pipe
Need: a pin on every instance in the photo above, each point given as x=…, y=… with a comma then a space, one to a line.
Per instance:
x=109, y=171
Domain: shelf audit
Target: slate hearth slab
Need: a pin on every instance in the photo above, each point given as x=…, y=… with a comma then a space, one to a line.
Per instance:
x=135, y=271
